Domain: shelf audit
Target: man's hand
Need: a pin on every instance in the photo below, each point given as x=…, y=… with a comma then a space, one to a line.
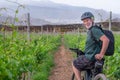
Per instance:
x=99, y=56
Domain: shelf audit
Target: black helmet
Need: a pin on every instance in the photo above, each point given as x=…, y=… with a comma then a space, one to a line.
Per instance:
x=87, y=15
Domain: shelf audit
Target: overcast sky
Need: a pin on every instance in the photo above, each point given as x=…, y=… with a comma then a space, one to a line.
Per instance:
x=108, y=5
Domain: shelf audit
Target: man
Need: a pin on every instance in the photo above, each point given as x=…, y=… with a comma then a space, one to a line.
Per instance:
x=92, y=51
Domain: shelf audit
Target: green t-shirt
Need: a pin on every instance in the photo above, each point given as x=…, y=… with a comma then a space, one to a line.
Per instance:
x=91, y=48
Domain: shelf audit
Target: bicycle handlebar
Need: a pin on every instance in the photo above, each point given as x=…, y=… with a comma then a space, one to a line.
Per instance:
x=76, y=50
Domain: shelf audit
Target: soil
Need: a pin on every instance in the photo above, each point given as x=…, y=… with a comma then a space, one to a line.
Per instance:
x=63, y=65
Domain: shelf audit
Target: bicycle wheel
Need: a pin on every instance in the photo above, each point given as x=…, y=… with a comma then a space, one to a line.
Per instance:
x=87, y=75
x=74, y=78
x=100, y=77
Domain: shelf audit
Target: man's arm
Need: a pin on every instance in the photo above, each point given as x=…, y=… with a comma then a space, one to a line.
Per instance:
x=105, y=43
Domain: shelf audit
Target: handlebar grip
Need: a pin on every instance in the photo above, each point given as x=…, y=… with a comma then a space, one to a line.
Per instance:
x=73, y=48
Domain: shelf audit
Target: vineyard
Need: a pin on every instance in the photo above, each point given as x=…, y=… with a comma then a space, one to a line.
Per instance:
x=41, y=51
x=22, y=59
x=25, y=60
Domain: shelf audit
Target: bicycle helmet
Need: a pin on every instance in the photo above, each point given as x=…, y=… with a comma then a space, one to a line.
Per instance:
x=87, y=15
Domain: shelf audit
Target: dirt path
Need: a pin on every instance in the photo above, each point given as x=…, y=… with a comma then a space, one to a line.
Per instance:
x=63, y=69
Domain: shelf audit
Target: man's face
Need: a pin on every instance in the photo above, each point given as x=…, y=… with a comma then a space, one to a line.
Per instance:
x=87, y=22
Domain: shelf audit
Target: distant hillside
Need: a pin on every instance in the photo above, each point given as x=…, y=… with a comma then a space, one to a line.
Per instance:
x=21, y=21
x=6, y=19
x=46, y=12
x=116, y=20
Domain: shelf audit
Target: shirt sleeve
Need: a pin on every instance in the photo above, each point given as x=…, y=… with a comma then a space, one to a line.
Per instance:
x=97, y=33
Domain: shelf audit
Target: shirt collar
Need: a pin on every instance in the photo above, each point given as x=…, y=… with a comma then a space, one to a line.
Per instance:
x=91, y=27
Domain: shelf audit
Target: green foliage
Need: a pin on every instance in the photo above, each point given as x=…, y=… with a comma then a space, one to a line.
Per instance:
x=18, y=55
x=75, y=41
x=44, y=68
x=112, y=63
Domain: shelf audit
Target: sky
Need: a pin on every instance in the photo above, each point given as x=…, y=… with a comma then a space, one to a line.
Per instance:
x=108, y=5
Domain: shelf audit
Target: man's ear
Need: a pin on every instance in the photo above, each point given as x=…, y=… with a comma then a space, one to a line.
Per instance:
x=92, y=18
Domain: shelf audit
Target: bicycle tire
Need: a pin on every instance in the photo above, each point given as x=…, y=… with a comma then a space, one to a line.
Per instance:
x=100, y=77
x=87, y=76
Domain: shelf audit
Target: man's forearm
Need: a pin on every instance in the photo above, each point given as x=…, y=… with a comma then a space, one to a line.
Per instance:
x=105, y=43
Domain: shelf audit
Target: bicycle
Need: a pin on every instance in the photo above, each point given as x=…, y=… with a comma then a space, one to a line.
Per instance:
x=92, y=73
